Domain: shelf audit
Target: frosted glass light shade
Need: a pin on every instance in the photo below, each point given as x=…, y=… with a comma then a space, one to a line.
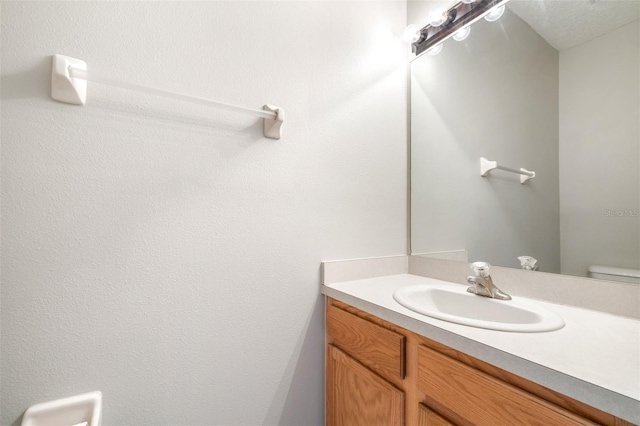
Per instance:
x=495, y=13
x=411, y=34
x=462, y=33
x=438, y=17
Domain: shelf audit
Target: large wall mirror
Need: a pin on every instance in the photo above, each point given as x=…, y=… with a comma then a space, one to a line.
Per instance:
x=553, y=86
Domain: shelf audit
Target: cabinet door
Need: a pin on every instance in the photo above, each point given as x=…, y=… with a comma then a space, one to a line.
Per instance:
x=358, y=396
x=429, y=417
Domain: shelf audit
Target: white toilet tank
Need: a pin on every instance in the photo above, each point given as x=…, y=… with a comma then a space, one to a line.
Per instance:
x=614, y=274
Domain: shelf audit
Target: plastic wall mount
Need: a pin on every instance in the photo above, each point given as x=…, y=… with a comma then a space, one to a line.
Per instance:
x=272, y=128
x=63, y=87
x=84, y=409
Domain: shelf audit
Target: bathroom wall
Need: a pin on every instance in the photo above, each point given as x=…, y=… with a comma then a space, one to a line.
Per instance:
x=494, y=95
x=167, y=254
x=600, y=152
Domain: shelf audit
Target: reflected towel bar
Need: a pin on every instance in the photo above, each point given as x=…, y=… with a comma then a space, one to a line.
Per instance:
x=486, y=166
x=69, y=78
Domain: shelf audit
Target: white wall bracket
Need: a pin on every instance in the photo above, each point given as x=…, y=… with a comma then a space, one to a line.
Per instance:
x=69, y=78
x=486, y=166
x=527, y=174
x=272, y=128
x=84, y=409
x=65, y=88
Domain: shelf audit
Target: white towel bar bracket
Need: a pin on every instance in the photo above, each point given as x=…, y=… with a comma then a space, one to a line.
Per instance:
x=486, y=166
x=64, y=88
x=69, y=78
x=272, y=127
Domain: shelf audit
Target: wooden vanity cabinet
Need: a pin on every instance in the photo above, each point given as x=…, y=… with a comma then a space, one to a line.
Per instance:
x=380, y=374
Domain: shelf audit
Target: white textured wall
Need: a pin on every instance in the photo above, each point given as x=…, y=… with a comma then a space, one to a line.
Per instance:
x=494, y=95
x=169, y=255
x=600, y=152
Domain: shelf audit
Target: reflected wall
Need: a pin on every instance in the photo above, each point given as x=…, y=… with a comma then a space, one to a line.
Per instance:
x=495, y=95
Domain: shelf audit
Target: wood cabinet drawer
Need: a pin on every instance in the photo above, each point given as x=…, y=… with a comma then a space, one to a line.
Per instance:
x=472, y=397
x=376, y=347
x=358, y=396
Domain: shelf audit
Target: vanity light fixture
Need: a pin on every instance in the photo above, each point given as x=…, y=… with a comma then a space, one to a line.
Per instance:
x=462, y=33
x=455, y=22
x=495, y=13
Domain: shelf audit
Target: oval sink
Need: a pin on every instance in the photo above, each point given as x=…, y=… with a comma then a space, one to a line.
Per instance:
x=453, y=304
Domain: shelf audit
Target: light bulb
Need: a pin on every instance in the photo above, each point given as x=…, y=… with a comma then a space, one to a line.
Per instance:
x=438, y=17
x=412, y=34
x=462, y=33
x=435, y=49
x=495, y=13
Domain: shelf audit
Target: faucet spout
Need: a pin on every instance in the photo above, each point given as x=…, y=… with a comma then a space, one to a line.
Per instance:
x=482, y=284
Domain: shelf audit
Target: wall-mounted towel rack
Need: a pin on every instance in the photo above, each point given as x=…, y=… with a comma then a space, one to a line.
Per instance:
x=486, y=166
x=69, y=78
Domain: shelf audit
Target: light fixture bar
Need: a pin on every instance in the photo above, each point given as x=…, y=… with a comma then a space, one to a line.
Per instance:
x=463, y=14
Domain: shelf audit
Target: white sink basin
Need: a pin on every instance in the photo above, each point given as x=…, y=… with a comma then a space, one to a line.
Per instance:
x=453, y=304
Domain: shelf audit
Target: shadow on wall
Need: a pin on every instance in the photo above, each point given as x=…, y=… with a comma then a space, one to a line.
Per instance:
x=307, y=357
x=33, y=83
x=18, y=421
x=179, y=117
x=126, y=107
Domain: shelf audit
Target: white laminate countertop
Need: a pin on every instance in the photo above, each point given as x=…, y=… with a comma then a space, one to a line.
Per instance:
x=595, y=358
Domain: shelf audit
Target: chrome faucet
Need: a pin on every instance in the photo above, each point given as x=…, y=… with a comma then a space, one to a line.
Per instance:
x=482, y=284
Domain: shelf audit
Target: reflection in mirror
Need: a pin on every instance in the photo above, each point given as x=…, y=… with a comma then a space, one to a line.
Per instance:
x=553, y=86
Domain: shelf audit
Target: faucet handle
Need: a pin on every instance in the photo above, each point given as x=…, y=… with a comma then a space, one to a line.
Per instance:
x=528, y=262
x=481, y=269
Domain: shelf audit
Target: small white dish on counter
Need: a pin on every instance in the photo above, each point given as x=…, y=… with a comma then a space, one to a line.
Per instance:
x=449, y=303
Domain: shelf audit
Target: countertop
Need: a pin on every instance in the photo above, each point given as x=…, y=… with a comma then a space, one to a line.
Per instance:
x=594, y=358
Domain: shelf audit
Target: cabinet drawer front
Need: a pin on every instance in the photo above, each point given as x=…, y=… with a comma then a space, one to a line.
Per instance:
x=376, y=347
x=476, y=398
x=358, y=396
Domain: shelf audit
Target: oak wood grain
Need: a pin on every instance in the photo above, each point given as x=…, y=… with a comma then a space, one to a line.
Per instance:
x=429, y=417
x=378, y=348
x=477, y=398
x=358, y=396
